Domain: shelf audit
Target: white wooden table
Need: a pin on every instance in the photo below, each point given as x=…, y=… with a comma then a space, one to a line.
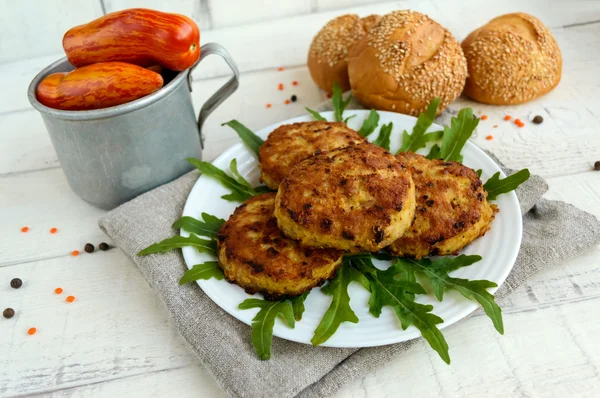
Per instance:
x=116, y=338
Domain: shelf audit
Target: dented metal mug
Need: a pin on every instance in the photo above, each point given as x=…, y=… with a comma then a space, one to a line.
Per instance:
x=112, y=155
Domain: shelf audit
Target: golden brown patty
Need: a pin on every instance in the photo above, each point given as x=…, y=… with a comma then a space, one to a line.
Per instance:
x=452, y=209
x=358, y=198
x=289, y=144
x=255, y=255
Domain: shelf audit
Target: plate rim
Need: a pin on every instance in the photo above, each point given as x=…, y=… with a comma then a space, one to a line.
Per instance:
x=470, y=307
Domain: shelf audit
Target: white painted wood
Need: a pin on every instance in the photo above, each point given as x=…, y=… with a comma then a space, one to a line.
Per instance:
x=195, y=9
x=31, y=28
x=325, y=5
x=115, y=340
x=242, y=12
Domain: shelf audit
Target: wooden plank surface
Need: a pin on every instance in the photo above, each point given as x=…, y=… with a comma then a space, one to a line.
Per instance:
x=116, y=339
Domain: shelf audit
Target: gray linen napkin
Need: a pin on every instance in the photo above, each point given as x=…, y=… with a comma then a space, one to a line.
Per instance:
x=553, y=232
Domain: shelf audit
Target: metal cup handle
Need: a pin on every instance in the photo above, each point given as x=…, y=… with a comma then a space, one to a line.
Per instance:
x=224, y=92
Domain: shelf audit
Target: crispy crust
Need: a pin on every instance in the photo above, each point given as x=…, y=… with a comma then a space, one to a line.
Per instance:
x=358, y=198
x=511, y=60
x=451, y=212
x=255, y=255
x=404, y=62
x=289, y=144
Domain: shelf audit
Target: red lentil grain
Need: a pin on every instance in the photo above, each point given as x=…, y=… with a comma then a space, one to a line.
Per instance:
x=280, y=87
x=280, y=69
x=269, y=105
x=483, y=117
x=53, y=230
x=489, y=137
x=58, y=290
x=495, y=126
x=31, y=331
x=294, y=83
x=287, y=101
x=507, y=117
x=24, y=229
x=70, y=299
x=75, y=253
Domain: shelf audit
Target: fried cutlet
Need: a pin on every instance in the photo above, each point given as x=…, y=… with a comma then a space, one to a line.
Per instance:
x=357, y=198
x=452, y=209
x=255, y=254
x=289, y=144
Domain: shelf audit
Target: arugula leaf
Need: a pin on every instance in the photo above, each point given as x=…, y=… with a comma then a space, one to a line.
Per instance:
x=239, y=191
x=417, y=140
x=339, y=310
x=437, y=272
x=209, y=226
x=456, y=135
x=236, y=174
x=316, y=115
x=298, y=305
x=369, y=124
x=338, y=102
x=348, y=118
x=207, y=270
x=434, y=152
x=398, y=293
x=177, y=242
x=496, y=186
x=252, y=141
x=263, y=322
x=434, y=136
x=383, y=139
x=479, y=171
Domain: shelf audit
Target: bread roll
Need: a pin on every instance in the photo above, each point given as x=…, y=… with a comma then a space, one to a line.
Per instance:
x=512, y=59
x=404, y=62
x=329, y=48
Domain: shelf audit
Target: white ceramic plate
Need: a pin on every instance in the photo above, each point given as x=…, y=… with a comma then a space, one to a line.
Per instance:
x=499, y=248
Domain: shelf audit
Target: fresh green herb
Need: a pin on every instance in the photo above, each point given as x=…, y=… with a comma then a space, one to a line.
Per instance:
x=252, y=141
x=316, y=115
x=479, y=173
x=263, y=322
x=209, y=226
x=383, y=139
x=398, y=293
x=339, y=310
x=207, y=270
x=177, y=242
x=496, y=186
x=338, y=102
x=456, y=135
x=348, y=118
x=369, y=124
x=437, y=272
x=298, y=305
x=236, y=174
x=417, y=139
x=241, y=190
x=434, y=136
x=434, y=152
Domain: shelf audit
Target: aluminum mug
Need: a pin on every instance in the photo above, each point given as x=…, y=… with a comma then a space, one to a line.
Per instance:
x=112, y=155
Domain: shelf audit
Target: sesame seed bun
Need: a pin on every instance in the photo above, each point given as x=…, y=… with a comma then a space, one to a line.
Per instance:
x=512, y=59
x=329, y=48
x=404, y=62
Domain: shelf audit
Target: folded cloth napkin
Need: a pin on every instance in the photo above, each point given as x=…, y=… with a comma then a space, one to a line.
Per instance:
x=553, y=232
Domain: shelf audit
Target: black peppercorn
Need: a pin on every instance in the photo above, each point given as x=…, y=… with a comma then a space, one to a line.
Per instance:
x=89, y=248
x=294, y=98
x=597, y=165
x=8, y=313
x=103, y=246
x=16, y=283
x=538, y=119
